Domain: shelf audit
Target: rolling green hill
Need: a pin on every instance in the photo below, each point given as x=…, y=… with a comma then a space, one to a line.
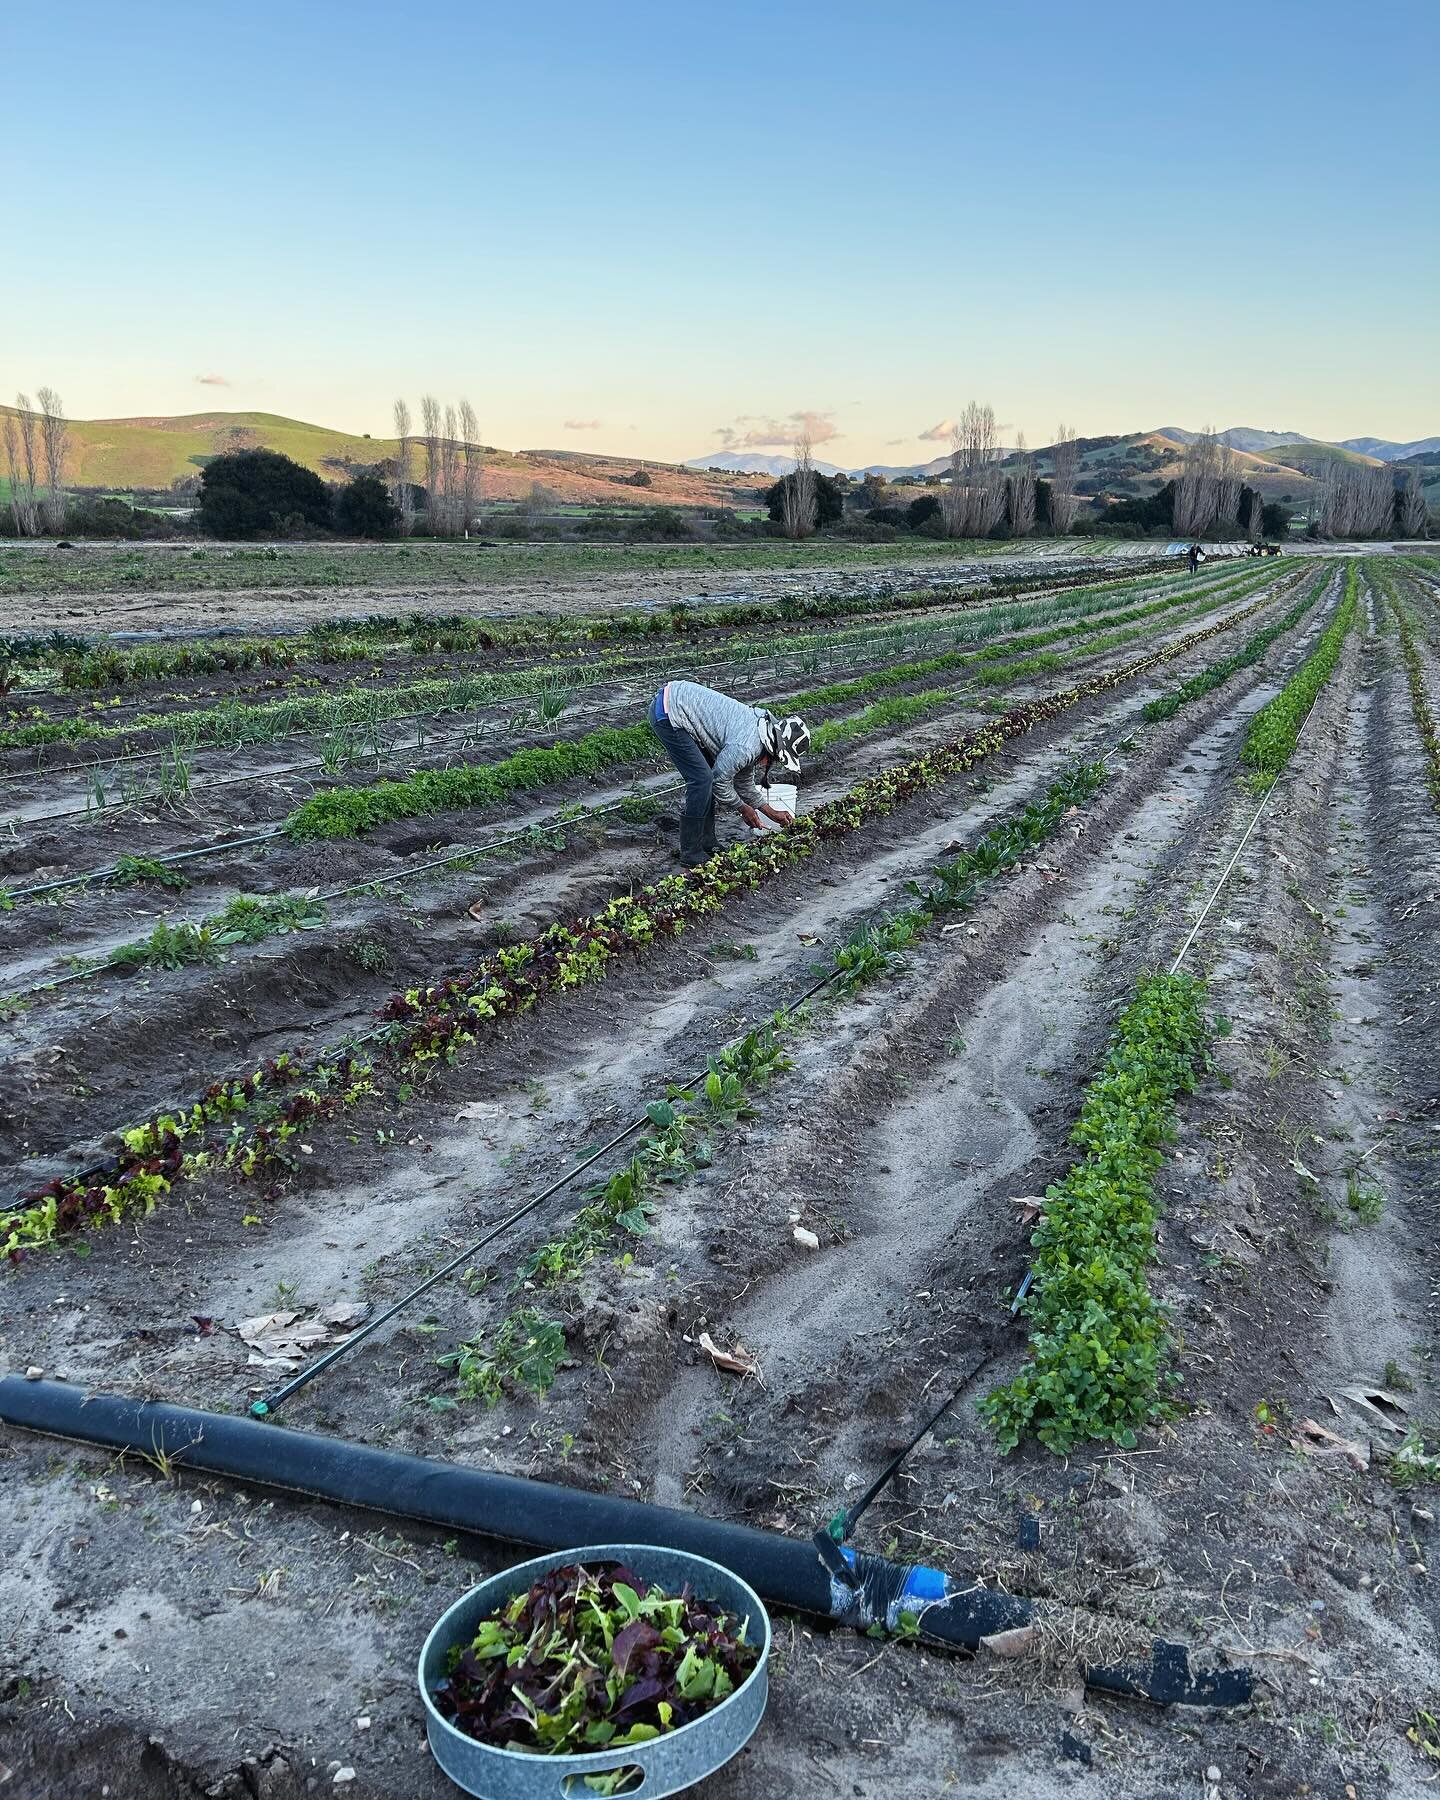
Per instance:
x=151, y=453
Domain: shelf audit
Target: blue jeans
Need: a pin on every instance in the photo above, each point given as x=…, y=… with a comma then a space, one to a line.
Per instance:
x=697, y=820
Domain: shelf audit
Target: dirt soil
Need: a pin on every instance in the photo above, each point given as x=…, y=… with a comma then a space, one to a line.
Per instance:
x=550, y=588
x=168, y=1634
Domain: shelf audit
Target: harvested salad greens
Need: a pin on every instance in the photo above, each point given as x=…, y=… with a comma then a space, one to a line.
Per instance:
x=587, y=1659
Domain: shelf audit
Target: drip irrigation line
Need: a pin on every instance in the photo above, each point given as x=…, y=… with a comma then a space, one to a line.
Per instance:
x=173, y=856
x=223, y=845
x=265, y=1407
x=831, y=1536
x=555, y=823
x=1226, y=872
x=355, y=1041
x=841, y=1525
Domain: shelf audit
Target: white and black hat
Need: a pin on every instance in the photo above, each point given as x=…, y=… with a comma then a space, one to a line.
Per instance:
x=787, y=739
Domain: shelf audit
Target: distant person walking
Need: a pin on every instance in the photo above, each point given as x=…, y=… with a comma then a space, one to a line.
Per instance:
x=721, y=746
x=1194, y=557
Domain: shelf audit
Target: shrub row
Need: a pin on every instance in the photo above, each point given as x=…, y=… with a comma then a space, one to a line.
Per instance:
x=1097, y=1335
x=1275, y=729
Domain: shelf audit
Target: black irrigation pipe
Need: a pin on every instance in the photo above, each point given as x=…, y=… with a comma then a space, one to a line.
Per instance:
x=265, y=1408
x=544, y=1515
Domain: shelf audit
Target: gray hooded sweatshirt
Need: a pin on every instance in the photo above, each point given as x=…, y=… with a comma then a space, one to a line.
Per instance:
x=728, y=731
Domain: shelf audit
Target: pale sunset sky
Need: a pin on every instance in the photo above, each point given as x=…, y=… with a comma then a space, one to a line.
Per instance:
x=663, y=230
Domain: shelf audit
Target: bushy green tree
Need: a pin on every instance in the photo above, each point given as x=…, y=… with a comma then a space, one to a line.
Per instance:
x=829, y=502
x=364, y=509
x=260, y=493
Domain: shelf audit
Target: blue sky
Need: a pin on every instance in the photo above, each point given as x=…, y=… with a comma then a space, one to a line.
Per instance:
x=659, y=229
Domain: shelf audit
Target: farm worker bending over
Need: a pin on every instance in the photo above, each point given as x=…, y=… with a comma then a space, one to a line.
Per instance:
x=720, y=745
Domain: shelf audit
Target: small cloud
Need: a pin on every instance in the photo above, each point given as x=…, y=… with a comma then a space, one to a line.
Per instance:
x=214, y=381
x=750, y=432
x=583, y=424
x=938, y=434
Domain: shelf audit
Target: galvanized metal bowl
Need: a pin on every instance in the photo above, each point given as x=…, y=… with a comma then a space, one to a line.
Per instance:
x=669, y=1764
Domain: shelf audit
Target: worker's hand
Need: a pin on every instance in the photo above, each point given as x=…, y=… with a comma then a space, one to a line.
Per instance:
x=751, y=817
x=778, y=814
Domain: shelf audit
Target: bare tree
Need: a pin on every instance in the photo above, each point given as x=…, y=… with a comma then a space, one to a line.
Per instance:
x=430, y=426
x=976, y=498
x=56, y=440
x=402, y=491
x=470, y=466
x=1410, y=505
x=952, y=498
x=449, y=475
x=1064, y=501
x=1228, y=483
x=1357, y=500
x=798, y=503
x=1255, y=524
x=1022, y=490
x=1198, y=485
x=21, y=458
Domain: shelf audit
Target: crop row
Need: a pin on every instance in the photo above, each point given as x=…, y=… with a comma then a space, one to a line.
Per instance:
x=1097, y=1335
x=525, y=1348
x=102, y=666
x=1420, y=703
x=350, y=811
x=1275, y=729
x=1219, y=672
x=234, y=723
x=250, y=1123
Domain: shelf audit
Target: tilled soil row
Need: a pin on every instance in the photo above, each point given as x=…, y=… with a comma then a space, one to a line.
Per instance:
x=133, y=1332
x=241, y=790
x=97, y=919
x=1279, y=1315
x=90, y=1055
x=840, y=1705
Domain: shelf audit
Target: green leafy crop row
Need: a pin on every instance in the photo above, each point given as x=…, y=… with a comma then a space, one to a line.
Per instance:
x=1096, y=1333
x=350, y=811
x=1216, y=673
x=682, y=1139
x=420, y=634
x=1420, y=703
x=242, y=921
x=249, y=1123
x=1275, y=729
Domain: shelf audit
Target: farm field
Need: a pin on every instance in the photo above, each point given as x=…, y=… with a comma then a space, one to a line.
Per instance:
x=179, y=587
x=1071, y=1057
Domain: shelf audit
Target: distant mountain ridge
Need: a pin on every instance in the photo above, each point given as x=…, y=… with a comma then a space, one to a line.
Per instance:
x=1246, y=438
